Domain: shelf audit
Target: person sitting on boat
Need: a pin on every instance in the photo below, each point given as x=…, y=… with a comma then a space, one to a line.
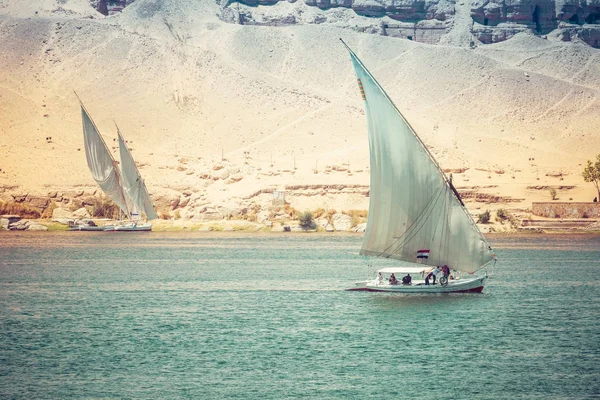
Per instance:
x=379, y=279
x=393, y=280
x=407, y=280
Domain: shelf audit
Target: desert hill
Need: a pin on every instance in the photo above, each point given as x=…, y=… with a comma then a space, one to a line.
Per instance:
x=215, y=112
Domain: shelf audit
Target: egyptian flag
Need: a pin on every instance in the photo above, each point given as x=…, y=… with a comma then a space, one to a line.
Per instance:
x=423, y=254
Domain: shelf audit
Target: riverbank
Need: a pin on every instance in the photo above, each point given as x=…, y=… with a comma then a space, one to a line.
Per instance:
x=288, y=227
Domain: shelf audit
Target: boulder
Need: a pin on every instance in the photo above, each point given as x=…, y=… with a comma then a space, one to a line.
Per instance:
x=322, y=222
x=208, y=214
x=19, y=198
x=235, y=178
x=360, y=227
x=183, y=202
x=7, y=220
x=262, y=217
x=36, y=227
x=342, y=222
x=168, y=201
x=81, y=213
x=64, y=221
x=59, y=212
x=20, y=225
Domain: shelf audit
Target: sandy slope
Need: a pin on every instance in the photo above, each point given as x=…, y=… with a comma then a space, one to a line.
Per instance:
x=281, y=103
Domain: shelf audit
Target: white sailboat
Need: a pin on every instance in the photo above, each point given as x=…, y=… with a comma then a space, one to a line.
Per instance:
x=103, y=167
x=415, y=214
x=135, y=188
x=124, y=187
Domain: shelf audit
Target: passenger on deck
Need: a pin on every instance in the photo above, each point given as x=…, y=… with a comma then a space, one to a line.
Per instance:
x=446, y=271
x=379, y=279
x=432, y=275
x=393, y=280
x=407, y=280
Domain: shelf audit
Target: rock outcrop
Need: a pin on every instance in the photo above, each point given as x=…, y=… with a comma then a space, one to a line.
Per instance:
x=497, y=20
x=424, y=21
x=428, y=21
x=15, y=223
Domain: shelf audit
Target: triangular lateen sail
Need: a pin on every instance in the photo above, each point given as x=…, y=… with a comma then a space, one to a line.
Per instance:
x=133, y=183
x=101, y=163
x=412, y=208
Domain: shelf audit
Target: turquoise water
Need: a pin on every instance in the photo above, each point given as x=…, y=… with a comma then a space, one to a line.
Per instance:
x=173, y=315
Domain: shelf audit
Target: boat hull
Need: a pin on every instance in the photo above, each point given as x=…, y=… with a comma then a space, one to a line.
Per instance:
x=468, y=285
x=131, y=228
x=88, y=228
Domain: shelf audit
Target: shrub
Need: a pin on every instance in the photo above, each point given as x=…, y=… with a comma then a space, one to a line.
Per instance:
x=289, y=210
x=306, y=219
x=251, y=217
x=177, y=214
x=319, y=212
x=19, y=209
x=329, y=215
x=163, y=214
x=47, y=214
x=103, y=207
x=357, y=216
x=484, y=217
x=501, y=215
x=75, y=205
x=552, y=193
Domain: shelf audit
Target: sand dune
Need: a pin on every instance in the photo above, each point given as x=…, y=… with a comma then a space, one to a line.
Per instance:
x=280, y=104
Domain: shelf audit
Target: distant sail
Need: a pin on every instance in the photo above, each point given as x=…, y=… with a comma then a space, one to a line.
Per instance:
x=102, y=165
x=133, y=183
x=412, y=207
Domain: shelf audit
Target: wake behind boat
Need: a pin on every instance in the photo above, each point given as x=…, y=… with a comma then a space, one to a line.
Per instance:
x=415, y=213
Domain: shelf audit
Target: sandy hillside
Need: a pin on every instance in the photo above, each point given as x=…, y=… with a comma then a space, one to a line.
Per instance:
x=279, y=106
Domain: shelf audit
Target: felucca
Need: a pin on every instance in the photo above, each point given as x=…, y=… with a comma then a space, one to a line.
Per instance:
x=415, y=213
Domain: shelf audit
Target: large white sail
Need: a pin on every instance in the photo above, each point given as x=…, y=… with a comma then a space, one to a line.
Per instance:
x=102, y=165
x=133, y=183
x=412, y=207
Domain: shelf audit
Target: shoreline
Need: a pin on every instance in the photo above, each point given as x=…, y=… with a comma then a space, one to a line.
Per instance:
x=231, y=228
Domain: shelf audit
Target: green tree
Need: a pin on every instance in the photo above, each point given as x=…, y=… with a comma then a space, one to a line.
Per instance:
x=591, y=173
x=306, y=219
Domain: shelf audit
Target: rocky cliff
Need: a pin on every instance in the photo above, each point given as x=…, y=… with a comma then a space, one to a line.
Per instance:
x=426, y=21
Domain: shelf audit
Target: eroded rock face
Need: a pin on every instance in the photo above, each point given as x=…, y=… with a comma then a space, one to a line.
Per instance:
x=425, y=21
x=110, y=7
x=429, y=20
x=497, y=20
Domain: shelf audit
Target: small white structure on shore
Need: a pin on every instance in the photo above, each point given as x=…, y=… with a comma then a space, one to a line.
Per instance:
x=278, y=197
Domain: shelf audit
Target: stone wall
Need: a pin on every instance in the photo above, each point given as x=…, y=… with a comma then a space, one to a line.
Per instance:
x=566, y=210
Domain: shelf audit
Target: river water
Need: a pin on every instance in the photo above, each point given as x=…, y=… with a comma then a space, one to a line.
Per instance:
x=181, y=315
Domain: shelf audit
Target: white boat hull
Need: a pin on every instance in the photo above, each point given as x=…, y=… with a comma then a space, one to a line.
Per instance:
x=88, y=228
x=466, y=285
x=131, y=228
